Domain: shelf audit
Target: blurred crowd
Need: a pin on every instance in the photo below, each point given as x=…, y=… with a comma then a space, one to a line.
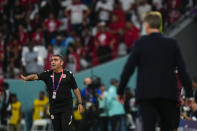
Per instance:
x=102, y=110
x=85, y=32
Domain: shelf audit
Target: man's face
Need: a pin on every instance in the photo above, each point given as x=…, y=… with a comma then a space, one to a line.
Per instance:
x=56, y=62
x=102, y=88
x=41, y=97
x=87, y=81
x=14, y=99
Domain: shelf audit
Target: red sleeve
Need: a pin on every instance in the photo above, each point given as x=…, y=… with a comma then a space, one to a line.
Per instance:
x=58, y=23
x=45, y=23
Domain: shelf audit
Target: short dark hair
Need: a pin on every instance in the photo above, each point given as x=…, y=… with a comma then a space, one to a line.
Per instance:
x=58, y=55
x=13, y=95
x=113, y=81
x=153, y=18
x=5, y=85
x=42, y=92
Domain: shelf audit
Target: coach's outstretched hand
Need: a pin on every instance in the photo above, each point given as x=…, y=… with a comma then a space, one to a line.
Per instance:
x=23, y=78
x=29, y=77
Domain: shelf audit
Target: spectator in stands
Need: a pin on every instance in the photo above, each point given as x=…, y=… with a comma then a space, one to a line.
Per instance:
x=64, y=20
x=104, y=8
x=122, y=49
x=142, y=9
x=31, y=61
x=36, y=22
x=127, y=4
x=50, y=53
x=104, y=43
x=42, y=54
x=87, y=41
x=77, y=13
x=82, y=54
x=16, y=114
x=72, y=59
x=121, y=15
x=59, y=45
x=131, y=34
x=157, y=4
x=5, y=103
x=3, y=4
x=115, y=108
x=2, y=52
x=37, y=36
x=93, y=14
x=39, y=107
x=14, y=58
x=102, y=99
x=5, y=24
x=173, y=11
x=116, y=28
x=19, y=14
x=51, y=26
x=23, y=36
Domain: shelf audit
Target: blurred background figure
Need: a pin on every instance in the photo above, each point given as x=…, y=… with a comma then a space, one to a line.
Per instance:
x=104, y=43
x=77, y=13
x=31, y=61
x=130, y=109
x=5, y=104
x=40, y=107
x=103, y=116
x=115, y=108
x=16, y=114
x=90, y=98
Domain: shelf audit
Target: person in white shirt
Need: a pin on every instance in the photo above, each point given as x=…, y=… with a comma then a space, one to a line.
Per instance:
x=127, y=4
x=104, y=8
x=77, y=13
x=142, y=9
x=158, y=4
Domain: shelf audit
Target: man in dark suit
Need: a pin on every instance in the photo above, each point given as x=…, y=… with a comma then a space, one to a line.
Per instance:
x=157, y=57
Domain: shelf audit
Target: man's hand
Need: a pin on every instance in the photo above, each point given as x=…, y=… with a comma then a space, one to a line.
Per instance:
x=29, y=77
x=23, y=78
x=80, y=108
x=121, y=99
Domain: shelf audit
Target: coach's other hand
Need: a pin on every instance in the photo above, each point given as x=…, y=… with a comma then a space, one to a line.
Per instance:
x=80, y=108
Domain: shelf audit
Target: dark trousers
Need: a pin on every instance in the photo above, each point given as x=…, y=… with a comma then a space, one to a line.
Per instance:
x=104, y=123
x=116, y=122
x=166, y=110
x=62, y=121
x=104, y=53
x=4, y=116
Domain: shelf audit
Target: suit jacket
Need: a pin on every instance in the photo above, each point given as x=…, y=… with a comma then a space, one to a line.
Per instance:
x=157, y=57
